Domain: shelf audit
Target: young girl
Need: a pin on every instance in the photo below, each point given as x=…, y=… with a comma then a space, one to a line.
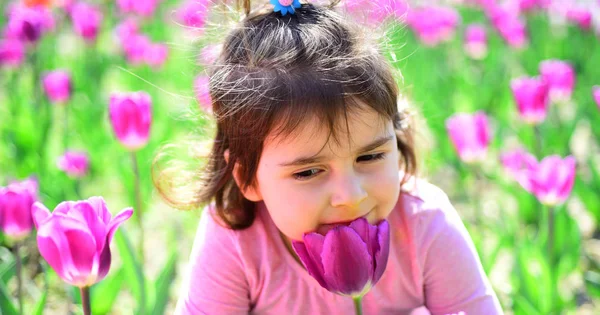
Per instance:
x=309, y=135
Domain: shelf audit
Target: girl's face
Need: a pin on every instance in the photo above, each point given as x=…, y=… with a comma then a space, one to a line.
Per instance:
x=309, y=181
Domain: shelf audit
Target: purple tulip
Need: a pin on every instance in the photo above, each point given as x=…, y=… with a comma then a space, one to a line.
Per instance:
x=75, y=238
x=348, y=260
x=551, y=180
x=15, y=208
x=560, y=77
x=131, y=116
x=28, y=23
x=201, y=89
x=86, y=20
x=476, y=41
x=470, y=135
x=512, y=29
x=142, y=7
x=156, y=55
x=12, y=52
x=517, y=164
x=531, y=96
x=596, y=94
x=125, y=30
x=74, y=163
x=135, y=48
x=193, y=13
x=57, y=85
x=580, y=16
x=433, y=24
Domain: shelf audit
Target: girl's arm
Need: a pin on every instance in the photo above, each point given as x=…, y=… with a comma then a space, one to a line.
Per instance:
x=215, y=282
x=453, y=276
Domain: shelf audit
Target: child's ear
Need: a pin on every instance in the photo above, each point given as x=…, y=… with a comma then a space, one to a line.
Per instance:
x=251, y=193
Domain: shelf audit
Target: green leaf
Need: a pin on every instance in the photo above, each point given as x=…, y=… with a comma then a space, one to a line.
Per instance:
x=39, y=306
x=6, y=305
x=104, y=293
x=163, y=285
x=134, y=275
x=592, y=283
x=535, y=275
x=567, y=242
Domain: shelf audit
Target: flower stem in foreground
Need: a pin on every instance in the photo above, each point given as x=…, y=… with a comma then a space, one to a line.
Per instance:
x=85, y=300
x=19, y=276
x=358, y=305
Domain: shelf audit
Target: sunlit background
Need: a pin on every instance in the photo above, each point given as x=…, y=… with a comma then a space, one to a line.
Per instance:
x=505, y=106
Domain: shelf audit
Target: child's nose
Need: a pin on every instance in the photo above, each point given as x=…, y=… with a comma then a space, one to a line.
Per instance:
x=348, y=192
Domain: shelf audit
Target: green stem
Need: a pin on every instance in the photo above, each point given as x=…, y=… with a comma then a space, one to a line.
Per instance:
x=537, y=145
x=66, y=128
x=358, y=305
x=551, y=236
x=85, y=300
x=19, y=276
x=138, y=204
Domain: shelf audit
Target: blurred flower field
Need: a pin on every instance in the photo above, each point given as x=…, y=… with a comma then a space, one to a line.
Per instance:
x=97, y=96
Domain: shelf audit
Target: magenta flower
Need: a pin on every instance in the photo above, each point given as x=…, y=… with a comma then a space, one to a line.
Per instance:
x=57, y=85
x=193, y=13
x=470, y=135
x=596, y=94
x=433, y=24
x=142, y=7
x=135, y=47
x=209, y=54
x=581, y=17
x=74, y=163
x=12, y=52
x=87, y=20
x=28, y=23
x=130, y=117
x=475, y=42
x=75, y=238
x=125, y=30
x=201, y=89
x=560, y=77
x=508, y=24
x=15, y=208
x=551, y=180
x=517, y=164
x=348, y=260
x=531, y=96
x=156, y=55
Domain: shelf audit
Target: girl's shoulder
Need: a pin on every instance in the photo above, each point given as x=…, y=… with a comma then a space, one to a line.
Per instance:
x=417, y=196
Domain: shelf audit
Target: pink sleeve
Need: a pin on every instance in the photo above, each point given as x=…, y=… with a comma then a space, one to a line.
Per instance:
x=454, y=279
x=215, y=282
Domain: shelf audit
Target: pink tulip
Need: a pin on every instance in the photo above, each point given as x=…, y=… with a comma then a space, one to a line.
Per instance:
x=209, y=54
x=142, y=7
x=28, y=23
x=193, y=13
x=560, y=77
x=125, y=30
x=57, y=85
x=156, y=54
x=476, y=41
x=509, y=25
x=581, y=17
x=517, y=163
x=12, y=52
x=201, y=89
x=551, y=180
x=531, y=96
x=75, y=238
x=87, y=20
x=596, y=94
x=432, y=24
x=135, y=48
x=15, y=208
x=131, y=116
x=470, y=135
x=74, y=163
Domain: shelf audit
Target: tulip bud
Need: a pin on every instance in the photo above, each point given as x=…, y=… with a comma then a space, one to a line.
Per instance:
x=596, y=94
x=470, y=135
x=512, y=29
x=86, y=20
x=476, y=41
x=57, y=85
x=551, y=180
x=201, y=87
x=75, y=238
x=432, y=24
x=581, y=17
x=135, y=47
x=15, y=208
x=28, y=23
x=74, y=163
x=193, y=13
x=348, y=260
x=142, y=7
x=12, y=52
x=560, y=77
x=130, y=117
x=156, y=54
x=531, y=96
x=517, y=164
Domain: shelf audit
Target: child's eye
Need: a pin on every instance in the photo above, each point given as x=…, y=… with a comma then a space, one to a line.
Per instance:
x=371, y=157
x=306, y=174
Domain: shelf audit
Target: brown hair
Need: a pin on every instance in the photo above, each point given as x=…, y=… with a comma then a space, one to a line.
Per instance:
x=274, y=73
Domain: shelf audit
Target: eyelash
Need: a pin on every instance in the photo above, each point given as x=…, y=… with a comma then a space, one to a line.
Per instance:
x=374, y=157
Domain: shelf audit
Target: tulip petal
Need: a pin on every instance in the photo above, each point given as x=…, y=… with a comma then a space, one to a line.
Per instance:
x=346, y=261
x=381, y=256
x=64, y=207
x=115, y=222
x=314, y=267
x=83, y=252
x=104, y=261
x=99, y=206
x=40, y=214
x=368, y=233
x=52, y=254
x=85, y=212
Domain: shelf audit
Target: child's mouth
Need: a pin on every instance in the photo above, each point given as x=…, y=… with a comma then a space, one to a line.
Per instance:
x=324, y=228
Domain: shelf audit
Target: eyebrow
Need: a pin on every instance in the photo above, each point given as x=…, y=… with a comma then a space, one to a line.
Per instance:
x=316, y=158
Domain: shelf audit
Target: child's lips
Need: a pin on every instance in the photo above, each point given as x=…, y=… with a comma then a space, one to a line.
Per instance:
x=324, y=228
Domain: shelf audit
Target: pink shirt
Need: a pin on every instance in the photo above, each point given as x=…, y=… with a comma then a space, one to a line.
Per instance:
x=432, y=266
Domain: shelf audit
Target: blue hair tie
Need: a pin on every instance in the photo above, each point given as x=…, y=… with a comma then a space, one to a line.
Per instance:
x=286, y=6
